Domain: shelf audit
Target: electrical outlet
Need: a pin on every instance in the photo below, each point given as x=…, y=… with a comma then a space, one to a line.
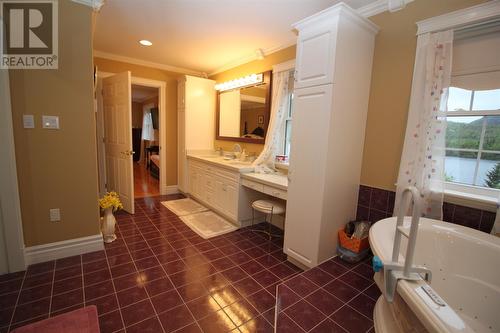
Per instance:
x=55, y=215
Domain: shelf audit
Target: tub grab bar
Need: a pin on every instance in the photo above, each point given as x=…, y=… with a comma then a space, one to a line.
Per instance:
x=394, y=270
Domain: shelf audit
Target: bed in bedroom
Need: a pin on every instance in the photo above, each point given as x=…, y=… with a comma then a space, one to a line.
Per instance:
x=154, y=166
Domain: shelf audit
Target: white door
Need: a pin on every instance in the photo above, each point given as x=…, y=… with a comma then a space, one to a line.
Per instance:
x=118, y=137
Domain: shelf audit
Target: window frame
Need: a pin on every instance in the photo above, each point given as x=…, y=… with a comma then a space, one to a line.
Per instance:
x=466, y=191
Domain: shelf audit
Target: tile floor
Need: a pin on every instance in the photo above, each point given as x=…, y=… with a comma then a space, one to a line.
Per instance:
x=159, y=276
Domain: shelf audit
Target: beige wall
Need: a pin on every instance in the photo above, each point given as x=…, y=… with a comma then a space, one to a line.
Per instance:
x=58, y=168
x=256, y=66
x=170, y=79
x=391, y=86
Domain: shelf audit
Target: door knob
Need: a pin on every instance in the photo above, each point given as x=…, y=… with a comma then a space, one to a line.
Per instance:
x=128, y=152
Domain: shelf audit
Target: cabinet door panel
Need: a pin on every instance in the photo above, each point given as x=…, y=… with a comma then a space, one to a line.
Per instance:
x=231, y=199
x=310, y=140
x=315, y=58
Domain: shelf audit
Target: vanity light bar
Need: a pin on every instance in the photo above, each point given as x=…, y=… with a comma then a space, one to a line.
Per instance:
x=241, y=82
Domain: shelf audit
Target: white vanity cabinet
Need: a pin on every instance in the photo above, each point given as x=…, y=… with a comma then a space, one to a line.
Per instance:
x=219, y=188
x=333, y=72
x=195, y=121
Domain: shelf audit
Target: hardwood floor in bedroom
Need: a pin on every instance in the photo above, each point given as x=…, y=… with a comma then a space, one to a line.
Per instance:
x=145, y=185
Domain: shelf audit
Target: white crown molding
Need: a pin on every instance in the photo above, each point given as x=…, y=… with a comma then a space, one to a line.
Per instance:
x=460, y=18
x=94, y=4
x=253, y=56
x=67, y=248
x=381, y=6
x=135, y=61
x=372, y=9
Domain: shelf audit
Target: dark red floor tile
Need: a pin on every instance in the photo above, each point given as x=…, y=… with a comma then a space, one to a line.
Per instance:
x=226, y=296
x=214, y=282
x=333, y=268
x=262, y=300
x=137, y=246
x=327, y=326
x=43, y=267
x=96, y=277
x=363, y=304
x=65, y=273
x=122, y=270
x=5, y=316
x=373, y=291
x=234, y=274
x=218, y=322
x=341, y=290
x=240, y=312
x=301, y=286
x=31, y=310
x=34, y=294
x=38, y=280
x=286, y=325
x=351, y=320
x=99, y=290
x=365, y=271
x=152, y=274
x=8, y=300
x=119, y=260
x=65, y=310
x=268, y=261
x=252, y=267
x=175, y=266
x=141, y=254
x=68, y=262
x=93, y=256
x=223, y=264
x=151, y=325
x=166, y=301
x=324, y=301
x=192, y=291
x=283, y=271
x=203, y=306
x=305, y=315
x=10, y=286
x=184, y=277
x=167, y=257
x=355, y=280
x=104, y=304
x=96, y=265
x=257, y=325
x=147, y=263
x=191, y=328
x=159, y=286
x=255, y=252
x=131, y=296
x=66, y=300
x=176, y=318
x=110, y=322
x=318, y=276
x=266, y=278
x=12, y=276
x=247, y=286
x=286, y=297
x=137, y=312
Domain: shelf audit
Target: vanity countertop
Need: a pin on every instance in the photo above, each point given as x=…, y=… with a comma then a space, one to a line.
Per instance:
x=234, y=165
x=277, y=180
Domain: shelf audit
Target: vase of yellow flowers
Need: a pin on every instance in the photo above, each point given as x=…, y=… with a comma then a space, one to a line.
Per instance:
x=109, y=203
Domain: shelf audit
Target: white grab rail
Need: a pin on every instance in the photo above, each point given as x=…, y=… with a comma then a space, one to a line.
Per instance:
x=394, y=271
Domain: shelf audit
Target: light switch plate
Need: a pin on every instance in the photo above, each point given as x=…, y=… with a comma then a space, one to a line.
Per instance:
x=28, y=121
x=55, y=214
x=50, y=122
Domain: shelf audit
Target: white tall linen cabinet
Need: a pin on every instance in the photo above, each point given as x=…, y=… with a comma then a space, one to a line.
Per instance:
x=195, y=121
x=332, y=83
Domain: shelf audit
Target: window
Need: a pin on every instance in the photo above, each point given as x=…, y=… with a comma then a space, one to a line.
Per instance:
x=473, y=137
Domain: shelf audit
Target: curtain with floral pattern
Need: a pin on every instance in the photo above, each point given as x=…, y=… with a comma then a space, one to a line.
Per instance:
x=265, y=161
x=422, y=160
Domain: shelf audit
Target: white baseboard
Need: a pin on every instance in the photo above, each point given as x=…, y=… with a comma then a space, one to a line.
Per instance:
x=171, y=189
x=67, y=248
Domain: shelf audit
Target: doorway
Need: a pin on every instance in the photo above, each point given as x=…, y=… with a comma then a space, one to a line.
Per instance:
x=130, y=169
x=145, y=141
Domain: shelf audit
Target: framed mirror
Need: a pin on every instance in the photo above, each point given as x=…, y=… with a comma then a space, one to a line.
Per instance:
x=243, y=113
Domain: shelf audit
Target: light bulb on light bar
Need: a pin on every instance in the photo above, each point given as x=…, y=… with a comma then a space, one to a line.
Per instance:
x=240, y=82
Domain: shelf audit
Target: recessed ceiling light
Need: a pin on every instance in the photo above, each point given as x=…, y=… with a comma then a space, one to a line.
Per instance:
x=145, y=42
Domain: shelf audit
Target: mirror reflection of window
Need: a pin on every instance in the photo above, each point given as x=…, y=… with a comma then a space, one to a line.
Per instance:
x=253, y=112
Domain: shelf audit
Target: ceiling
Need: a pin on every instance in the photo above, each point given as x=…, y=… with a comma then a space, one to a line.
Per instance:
x=141, y=93
x=201, y=35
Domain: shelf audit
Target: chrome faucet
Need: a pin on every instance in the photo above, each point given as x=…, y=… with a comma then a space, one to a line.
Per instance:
x=219, y=151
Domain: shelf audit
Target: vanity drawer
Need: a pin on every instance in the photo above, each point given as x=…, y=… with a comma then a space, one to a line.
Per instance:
x=253, y=185
x=209, y=169
x=275, y=192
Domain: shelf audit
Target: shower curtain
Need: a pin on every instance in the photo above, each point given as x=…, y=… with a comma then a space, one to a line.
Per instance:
x=422, y=160
x=265, y=161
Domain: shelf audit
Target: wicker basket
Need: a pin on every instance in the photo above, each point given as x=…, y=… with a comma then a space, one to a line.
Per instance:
x=355, y=245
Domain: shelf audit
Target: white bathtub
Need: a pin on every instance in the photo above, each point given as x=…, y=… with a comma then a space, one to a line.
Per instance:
x=465, y=265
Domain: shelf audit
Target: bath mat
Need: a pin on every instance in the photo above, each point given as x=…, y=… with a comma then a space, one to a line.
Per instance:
x=183, y=207
x=208, y=224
